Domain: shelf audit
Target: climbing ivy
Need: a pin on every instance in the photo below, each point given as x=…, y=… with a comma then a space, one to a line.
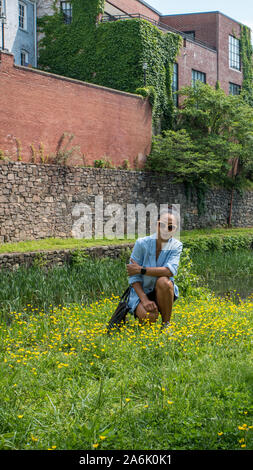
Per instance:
x=247, y=64
x=111, y=54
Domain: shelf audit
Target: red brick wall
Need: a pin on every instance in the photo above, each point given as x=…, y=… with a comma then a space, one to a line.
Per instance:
x=226, y=74
x=204, y=25
x=193, y=56
x=213, y=29
x=133, y=6
x=38, y=107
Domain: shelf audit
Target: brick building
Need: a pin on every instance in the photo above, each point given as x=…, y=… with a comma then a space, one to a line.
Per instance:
x=210, y=51
x=211, y=45
x=213, y=53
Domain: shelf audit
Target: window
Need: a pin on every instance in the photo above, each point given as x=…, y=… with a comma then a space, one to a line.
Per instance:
x=175, y=83
x=198, y=76
x=234, y=89
x=66, y=8
x=22, y=15
x=24, y=58
x=190, y=33
x=234, y=53
x=2, y=8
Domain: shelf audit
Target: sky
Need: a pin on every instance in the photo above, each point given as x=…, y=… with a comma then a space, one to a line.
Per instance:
x=241, y=10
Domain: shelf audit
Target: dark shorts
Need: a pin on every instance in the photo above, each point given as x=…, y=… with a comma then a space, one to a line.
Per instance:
x=152, y=296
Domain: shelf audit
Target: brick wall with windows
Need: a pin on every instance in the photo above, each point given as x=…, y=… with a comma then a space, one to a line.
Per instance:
x=193, y=57
x=217, y=31
x=202, y=24
x=227, y=74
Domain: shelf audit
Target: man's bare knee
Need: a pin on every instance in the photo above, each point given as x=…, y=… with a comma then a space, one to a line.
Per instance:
x=164, y=283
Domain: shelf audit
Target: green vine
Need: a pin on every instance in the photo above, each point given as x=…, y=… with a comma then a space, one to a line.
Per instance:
x=247, y=64
x=87, y=50
x=201, y=191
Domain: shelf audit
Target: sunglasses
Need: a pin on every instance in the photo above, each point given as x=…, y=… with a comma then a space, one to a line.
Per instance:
x=170, y=226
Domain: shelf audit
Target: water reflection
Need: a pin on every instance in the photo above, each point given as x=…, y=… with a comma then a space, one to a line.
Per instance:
x=232, y=289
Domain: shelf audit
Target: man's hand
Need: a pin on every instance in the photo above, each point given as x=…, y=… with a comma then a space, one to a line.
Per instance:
x=133, y=268
x=149, y=306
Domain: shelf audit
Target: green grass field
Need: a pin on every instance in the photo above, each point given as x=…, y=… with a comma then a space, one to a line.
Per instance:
x=66, y=384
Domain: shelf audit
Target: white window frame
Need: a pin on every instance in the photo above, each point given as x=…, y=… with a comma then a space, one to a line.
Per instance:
x=24, y=17
x=234, y=53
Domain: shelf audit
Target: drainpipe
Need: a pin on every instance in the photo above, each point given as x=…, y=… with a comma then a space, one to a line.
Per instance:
x=3, y=20
x=218, y=44
x=2, y=34
x=35, y=32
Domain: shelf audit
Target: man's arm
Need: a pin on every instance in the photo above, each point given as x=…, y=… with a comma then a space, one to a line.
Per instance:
x=135, y=268
x=148, y=304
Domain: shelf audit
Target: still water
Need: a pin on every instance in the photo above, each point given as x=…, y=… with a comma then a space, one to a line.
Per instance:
x=226, y=274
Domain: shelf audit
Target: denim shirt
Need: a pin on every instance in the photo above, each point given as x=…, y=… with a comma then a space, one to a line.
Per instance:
x=144, y=253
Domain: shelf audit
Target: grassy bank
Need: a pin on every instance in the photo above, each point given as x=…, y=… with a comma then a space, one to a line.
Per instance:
x=70, y=386
x=52, y=243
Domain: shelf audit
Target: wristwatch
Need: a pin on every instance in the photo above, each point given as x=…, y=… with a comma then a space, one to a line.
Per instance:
x=143, y=270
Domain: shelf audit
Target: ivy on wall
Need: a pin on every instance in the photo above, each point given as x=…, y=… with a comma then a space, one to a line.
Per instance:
x=120, y=61
x=111, y=54
x=247, y=64
x=68, y=49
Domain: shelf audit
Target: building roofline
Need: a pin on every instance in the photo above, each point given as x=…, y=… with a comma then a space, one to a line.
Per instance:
x=150, y=7
x=204, y=13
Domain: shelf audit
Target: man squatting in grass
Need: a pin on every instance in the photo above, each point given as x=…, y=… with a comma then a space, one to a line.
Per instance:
x=153, y=264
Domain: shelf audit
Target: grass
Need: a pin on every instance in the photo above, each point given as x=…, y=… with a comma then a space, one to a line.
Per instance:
x=226, y=271
x=85, y=283
x=71, y=386
x=52, y=243
x=61, y=284
x=66, y=384
x=59, y=244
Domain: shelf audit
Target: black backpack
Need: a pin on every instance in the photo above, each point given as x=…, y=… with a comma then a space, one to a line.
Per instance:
x=119, y=316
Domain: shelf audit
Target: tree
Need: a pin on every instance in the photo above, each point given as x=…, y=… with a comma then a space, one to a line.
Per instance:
x=210, y=130
x=211, y=141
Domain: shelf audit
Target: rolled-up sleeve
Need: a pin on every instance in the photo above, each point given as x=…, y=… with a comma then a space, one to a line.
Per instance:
x=138, y=256
x=173, y=259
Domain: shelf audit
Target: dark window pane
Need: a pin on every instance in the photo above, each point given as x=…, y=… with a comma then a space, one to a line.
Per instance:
x=175, y=83
x=198, y=76
x=66, y=8
x=234, y=89
x=191, y=34
x=21, y=17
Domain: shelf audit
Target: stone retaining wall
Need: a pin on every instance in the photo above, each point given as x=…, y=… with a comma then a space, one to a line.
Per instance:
x=38, y=201
x=58, y=257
